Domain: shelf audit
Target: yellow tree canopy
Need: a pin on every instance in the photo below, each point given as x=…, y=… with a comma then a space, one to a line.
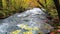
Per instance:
x=14, y=6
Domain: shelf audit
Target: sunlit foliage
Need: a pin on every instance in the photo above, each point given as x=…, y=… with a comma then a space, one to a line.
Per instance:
x=13, y=6
x=49, y=5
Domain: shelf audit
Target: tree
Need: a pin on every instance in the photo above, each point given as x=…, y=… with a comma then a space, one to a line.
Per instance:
x=1, y=5
x=56, y=2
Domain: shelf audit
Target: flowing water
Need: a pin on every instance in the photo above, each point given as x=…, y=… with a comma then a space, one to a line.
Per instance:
x=34, y=18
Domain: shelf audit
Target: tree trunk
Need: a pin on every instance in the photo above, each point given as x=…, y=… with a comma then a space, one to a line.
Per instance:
x=40, y=3
x=56, y=2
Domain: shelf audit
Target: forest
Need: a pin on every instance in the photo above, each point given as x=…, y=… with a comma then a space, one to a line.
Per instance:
x=51, y=7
